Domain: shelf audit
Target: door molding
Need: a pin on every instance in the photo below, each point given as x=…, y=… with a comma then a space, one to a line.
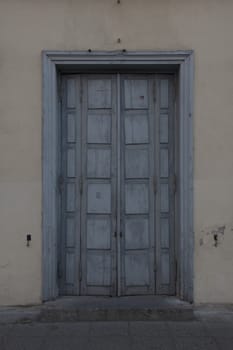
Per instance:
x=56, y=62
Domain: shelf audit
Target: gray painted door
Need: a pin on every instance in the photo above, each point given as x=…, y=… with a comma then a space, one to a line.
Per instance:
x=117, y=185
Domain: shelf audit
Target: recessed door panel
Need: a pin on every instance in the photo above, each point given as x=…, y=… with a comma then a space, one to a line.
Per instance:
x=99, y=163
x=99, y=127
x=137, y=267
x=136, y=198
x=99, y=269
x=136, y=93
x=136, y=127
x=136, y=233
x=99, y=92
x=136, y=163
x=98, y=232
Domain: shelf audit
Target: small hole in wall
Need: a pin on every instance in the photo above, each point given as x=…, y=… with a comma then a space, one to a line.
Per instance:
x=215, y=240
x=29, y=238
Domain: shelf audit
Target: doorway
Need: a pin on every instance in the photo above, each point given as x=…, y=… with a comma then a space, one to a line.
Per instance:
x=117, y=185
x=56, y=261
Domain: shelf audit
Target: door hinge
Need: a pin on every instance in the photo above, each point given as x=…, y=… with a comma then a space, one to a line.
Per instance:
x=174, y=90
x=176, y=271
x=154, y=90
x=174, y=183
x=59, y=271
x=80, y=271
x=81, y=95
x=155, y=184
x=61, y=183
x=81, y=185
x=60, y=90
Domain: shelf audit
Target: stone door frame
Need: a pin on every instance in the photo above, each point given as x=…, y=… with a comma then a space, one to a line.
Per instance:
x=56, y=62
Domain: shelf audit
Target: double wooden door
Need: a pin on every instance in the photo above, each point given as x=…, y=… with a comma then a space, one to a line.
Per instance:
x=116, y=185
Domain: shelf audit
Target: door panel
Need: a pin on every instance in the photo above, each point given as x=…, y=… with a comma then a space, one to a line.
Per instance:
x=98, y=229
x=136, y=163
x=136, y=127
x=98, y=220
x=99, y=127
x=136, y=93
x=137, y=196
x=99, y=163
x=165, y=199
x=69, y=234
x=136, y=233
x=99, y=93
x=117, y=194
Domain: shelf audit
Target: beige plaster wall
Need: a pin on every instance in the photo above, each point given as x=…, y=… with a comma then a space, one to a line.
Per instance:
x=29, y=26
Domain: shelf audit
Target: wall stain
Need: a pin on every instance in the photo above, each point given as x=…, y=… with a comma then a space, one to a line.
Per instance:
x=4, y=266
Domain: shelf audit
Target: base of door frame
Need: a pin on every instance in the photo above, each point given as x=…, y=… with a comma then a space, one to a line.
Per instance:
x=180, y=62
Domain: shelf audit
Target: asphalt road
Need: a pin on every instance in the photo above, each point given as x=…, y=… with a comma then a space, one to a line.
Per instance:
x=201, y=334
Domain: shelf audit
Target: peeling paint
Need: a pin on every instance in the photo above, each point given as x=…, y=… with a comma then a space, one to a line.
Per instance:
x=212, y=236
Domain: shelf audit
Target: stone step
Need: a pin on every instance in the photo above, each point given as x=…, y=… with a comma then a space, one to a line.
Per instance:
x=76, y=309
x=139, y=308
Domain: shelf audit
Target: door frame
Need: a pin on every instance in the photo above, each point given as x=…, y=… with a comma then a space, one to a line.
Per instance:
x=55, y=63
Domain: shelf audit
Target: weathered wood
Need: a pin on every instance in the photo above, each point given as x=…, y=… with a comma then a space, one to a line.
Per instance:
x=69, y=234
x=98, y=203
x=137, y=213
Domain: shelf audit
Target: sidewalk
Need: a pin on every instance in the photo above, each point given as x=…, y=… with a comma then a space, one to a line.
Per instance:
x=189, y=335
x=37, y=327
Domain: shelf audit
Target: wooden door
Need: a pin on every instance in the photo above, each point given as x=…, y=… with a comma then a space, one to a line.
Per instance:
x=117, y=194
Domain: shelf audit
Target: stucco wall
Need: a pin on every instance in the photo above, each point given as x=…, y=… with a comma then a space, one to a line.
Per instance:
x=29, y=26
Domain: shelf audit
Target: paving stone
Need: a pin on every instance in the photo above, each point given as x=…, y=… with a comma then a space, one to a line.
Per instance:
x=109, y=343
x=152, y=343
x=219, y=329
x=29, y=330
x=224, y=344
x=69, y=329
x=185, y=329
x=197, y=343
x=109, y=328
x=22, y=343
x=66, y=343
x=151, y=329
